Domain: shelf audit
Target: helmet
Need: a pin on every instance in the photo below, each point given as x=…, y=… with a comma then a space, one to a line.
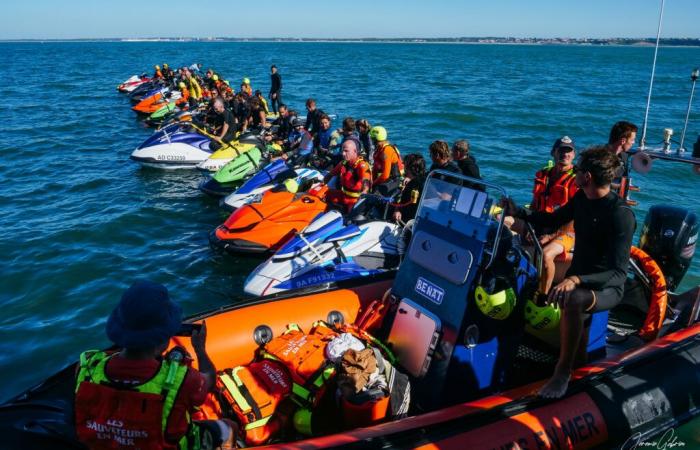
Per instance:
x=542, y=317
x=157, y=67
x=495, y=298
x=291, y=185
x=215, y=77
x=182, y=85
x=165, y=65
x=378, y=133
x=246, y=80
x=297, y=121
x=227, y=83
x=302, y=421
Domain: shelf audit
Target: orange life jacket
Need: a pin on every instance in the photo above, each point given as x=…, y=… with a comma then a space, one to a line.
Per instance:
x=303, y=354
x=550, y=195
x=387, y=163
x=254, y=392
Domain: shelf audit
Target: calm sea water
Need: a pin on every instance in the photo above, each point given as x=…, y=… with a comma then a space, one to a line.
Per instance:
x=80, y=221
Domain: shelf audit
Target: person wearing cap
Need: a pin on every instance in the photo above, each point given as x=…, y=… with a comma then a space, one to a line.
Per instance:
x=138, y=397
x=275, y=88
x=554, y=187
x=354, y=177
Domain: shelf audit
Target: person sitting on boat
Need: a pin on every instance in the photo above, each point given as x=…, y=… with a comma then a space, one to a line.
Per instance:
x=313, y=117
x=185, y=98
x=387, y=166
x=622, y=137
x=322, y=140
x=354, y=177
x=299, y=143
x=193, y=84
x=442, y=158
x=168, y=73
x=407, y=206
x=263, y=102
x=554, y=187
x=163, y=390
x=157, y=75
x=464, y=159
x=225, y=123
x=604, y=226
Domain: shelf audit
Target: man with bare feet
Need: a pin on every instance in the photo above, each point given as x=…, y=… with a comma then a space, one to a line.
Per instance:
x=604, y=227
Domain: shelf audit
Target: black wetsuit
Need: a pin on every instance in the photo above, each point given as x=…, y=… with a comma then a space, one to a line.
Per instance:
x=469, y=168
x=313, y=121
x=275, y=88
x=408, y=209
x=222, y=118
x=604, y=230
x=284, y=127
x=450, y=166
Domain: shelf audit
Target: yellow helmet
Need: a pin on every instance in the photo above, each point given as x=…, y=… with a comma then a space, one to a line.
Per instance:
x=378, y=133
x=157, y=67
x=165, y=65
x=246, y=80
x=291, y=185
x=495, y=298
x=545, y=317
x=215, y=77
x=302, y=421
x=182, y=85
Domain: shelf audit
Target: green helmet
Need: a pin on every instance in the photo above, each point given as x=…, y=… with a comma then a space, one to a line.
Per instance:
x=378, y=133
x=302, y=421
x=215, y=77
x=496, y=301
x=542, y=317
x=291, y=185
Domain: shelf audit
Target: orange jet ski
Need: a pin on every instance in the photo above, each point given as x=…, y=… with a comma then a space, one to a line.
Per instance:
x=269, y=220
x=153, y=103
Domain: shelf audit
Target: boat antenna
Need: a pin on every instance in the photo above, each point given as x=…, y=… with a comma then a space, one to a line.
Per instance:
x=693, y=77
x=653, y=72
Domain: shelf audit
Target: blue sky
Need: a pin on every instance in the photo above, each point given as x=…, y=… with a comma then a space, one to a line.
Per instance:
x=65, y=19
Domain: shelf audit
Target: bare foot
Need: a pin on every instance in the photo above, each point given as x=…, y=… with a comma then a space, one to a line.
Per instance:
x=555, y=387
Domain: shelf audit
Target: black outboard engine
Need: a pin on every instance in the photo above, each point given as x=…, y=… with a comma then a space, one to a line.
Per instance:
x=669, y=236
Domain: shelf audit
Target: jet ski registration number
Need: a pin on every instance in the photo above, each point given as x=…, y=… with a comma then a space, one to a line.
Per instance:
x=171, y=157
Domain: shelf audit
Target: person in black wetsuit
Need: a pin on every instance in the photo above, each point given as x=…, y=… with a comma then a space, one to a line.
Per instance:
x=442, y=159
x=414, y=168
x=465, y=161
x=275, y=89
x=313, y=117
x=604, y=227
x=282, y=122
x=225, y=125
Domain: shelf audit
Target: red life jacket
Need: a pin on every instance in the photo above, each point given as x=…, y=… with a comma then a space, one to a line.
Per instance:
x=352, y=177
x=254, y=393
x=549, y=195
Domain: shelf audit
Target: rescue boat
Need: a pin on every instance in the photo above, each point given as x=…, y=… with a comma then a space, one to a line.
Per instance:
x=472, y=376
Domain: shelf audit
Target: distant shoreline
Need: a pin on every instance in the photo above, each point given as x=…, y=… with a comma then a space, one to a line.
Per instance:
x=639, y=42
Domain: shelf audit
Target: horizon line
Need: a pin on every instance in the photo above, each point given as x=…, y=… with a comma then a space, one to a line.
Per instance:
x=347, y=39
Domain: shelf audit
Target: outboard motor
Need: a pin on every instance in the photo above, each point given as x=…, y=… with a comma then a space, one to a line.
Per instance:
x=669, y=236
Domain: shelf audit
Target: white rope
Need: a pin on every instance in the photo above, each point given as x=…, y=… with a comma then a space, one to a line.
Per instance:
x=653, y=72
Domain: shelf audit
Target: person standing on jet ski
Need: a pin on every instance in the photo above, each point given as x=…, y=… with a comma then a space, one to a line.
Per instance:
x=275, y=88
x=354, y=177
x=594, y=282
x=226, y=125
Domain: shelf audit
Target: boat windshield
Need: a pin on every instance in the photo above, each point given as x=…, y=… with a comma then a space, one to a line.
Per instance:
x=465, y=205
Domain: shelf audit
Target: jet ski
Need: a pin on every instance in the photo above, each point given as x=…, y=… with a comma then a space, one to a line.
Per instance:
x=176, y=146
x=267, y=178
x=132, y=83
x=145, y=90
x=328, y=251
x=264, y=226
x=244, y=143
x=471, y=375
x=153, y=103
